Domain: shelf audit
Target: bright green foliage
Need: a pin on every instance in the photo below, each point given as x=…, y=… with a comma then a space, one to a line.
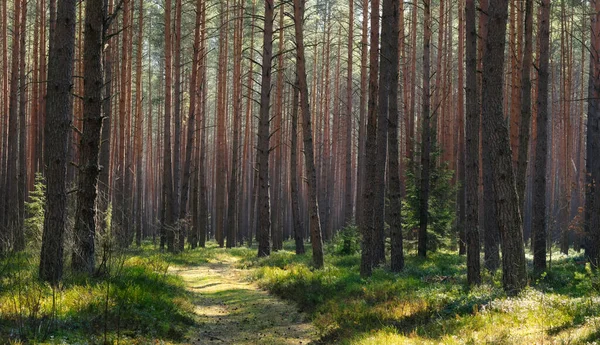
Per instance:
x=34, y=212
x=346, y=241
x=137, y=303
x=428, y=303
x=442, y=203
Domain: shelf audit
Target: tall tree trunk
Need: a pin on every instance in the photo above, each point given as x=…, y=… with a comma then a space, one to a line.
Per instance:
x=592, y=198
x=11, y=216
x=426, y=135
x=472, y=149
x=83, y=259
x=495, y=128
x=262, y=147
x=460, y=147
x=19, y=236
x=59, y=109
x=525, y=122
x=539, y=233
x=4, y=126
x=168, y=195
x=187, y=170
x=221, y=135
x=388, y=88
x=296, y=216
x=309, y=160
x=275, y=158
x=178, y=133
x=490, y=223
x=237, y=123
x=348, y=183
x=369, y=198
x=389, y=84
x=362, y=128
x=103, y=179
x=139, y=150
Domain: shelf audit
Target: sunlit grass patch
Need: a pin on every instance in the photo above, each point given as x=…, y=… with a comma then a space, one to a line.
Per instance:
x=137, y=300
x=429, y=302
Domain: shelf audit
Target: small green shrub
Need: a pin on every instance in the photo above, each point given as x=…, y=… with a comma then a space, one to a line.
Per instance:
x=347, y=241
x=34, y=213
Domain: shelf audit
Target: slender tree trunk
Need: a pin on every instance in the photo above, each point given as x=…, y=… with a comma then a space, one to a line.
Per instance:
x=59, y=109
x=221, y=135
x=472, y=149
x=426, y=135
x=11, y=216
x=362, y=128
x=168, y=195
x=460, y=147
x=85, y=222
x=525, y=122
x=103, y=179
x=19, y=236
x=348, y=183
x=262, y=154
x=138, y=212
x=296, y=216
x=309, y=160
x=539, y=231
x=4, y=127
x=237, y=123
x=179, y=233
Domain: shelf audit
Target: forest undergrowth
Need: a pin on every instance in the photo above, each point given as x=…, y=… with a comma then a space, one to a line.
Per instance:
x=140, y=300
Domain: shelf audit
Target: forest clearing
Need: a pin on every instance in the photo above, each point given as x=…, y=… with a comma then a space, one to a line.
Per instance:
x=299, y=171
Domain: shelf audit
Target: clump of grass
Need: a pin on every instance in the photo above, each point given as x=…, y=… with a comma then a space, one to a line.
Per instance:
x=139, y=300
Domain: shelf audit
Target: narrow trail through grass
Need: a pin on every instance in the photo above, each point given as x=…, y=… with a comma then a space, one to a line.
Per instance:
x=231, y=310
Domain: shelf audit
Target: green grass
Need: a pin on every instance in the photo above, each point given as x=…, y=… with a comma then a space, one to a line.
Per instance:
x=137, y=302
x=427, y=303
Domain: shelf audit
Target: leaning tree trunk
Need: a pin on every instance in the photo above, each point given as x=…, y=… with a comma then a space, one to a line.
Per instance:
x=495, y=128
x=85, y=222
x=309, y=159
x=59, y=110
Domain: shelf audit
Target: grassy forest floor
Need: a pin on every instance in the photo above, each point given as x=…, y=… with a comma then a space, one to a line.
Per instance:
x=219, y=296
